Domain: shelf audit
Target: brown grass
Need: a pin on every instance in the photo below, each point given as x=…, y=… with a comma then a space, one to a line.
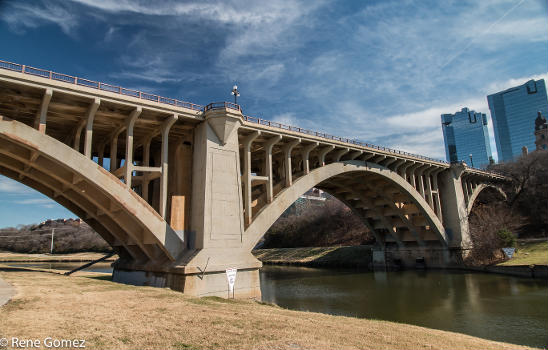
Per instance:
x=74, y=257
x=116, y=316
x=529, y=253
x=353, y=256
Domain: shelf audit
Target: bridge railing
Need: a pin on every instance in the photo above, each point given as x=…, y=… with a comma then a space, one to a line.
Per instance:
x=222, y=105
x=96, y=85
x=335, y=138
x=174, y=102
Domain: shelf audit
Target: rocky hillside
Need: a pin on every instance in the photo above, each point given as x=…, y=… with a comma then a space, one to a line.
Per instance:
x=70, y=236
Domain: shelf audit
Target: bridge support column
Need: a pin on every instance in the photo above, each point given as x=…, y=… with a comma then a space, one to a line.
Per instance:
x=268, y=166
x=455, y=215
x=216, y=236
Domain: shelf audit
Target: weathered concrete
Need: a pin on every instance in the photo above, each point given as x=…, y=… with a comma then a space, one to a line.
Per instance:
x=188, y=191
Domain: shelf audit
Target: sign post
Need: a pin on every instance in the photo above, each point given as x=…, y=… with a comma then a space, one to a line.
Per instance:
x=231, y=277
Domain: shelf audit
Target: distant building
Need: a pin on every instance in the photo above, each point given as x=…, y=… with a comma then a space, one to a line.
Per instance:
x=312, y=198
x=513, y=112
x=541, y=132
x=465, y=133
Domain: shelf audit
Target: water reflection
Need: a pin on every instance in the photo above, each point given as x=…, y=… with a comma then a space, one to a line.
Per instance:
x=489, y=306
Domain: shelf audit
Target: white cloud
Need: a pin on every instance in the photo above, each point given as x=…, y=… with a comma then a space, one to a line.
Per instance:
x=24, y=15
x=228, y=12
x=429, y=143
x=43, y=202
x=13, y=187
x=327, y=62
x=506, y=84
x=431, y=117
x=286, y=118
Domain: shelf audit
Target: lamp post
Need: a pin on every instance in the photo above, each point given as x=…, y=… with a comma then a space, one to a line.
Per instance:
x=236, y=93
x=471, y=161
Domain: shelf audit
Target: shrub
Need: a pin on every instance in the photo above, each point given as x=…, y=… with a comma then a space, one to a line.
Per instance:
x=506, y=238
x=491, y=227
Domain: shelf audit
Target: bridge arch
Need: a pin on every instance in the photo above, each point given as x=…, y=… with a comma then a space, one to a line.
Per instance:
x=337, y=171
x=71, y=179
x=478, y=190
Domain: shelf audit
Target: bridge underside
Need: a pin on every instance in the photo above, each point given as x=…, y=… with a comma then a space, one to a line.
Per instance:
x=388, y=213
x=89, y=191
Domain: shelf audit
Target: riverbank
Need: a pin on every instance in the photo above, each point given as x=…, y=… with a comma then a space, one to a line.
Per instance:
x=352, y=256
x=73, y=257
x=529, y=252
x=530, y=259
x=110, y=315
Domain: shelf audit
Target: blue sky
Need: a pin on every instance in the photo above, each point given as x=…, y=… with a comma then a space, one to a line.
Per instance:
x=378, y=71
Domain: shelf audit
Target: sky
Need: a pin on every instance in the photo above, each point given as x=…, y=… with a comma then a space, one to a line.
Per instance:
x=377, y=71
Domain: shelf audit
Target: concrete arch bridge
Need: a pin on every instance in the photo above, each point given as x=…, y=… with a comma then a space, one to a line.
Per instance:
x=183, y=191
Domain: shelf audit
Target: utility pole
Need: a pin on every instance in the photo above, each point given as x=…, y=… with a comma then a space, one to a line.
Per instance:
x=52, y=234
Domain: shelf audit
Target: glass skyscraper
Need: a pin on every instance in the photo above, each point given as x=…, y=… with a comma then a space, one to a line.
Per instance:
x=513, y=112
x=465, y=133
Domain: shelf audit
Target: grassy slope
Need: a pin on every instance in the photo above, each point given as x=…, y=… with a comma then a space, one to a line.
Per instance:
x=354, y=256
x=74, y=257
x=529, y=253
x=111, y=315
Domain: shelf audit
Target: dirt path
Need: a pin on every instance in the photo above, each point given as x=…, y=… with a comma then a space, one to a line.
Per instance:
x=6, y=292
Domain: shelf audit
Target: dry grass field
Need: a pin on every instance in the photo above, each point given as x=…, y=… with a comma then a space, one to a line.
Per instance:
x=6, y=256
x=116, y=316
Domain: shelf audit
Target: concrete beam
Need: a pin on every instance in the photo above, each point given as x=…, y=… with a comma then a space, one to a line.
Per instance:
x=130, y=122
x=166, y=126
x=339, y=153
x=90, y=116
x=42, y=114
x=323, y=152
x=269, y=144
x=248, y=140
x=305, y=153
x=287, y=161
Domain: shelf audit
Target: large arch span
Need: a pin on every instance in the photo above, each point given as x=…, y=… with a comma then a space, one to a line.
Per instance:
x=388, y=204
x=478, y=190
x=128, y=223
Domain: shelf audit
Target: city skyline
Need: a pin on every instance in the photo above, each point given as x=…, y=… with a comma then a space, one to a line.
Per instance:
x=466, y=138
x=513, y=112
x=376, y=72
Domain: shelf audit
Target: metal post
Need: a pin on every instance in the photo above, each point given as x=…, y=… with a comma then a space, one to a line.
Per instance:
x=52, y=234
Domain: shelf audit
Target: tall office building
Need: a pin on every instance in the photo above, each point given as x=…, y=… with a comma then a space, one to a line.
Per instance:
x=465, y=133
x=513, y=112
